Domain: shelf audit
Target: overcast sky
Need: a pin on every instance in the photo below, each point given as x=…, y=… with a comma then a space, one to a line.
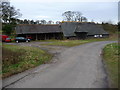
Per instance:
x=104, y=10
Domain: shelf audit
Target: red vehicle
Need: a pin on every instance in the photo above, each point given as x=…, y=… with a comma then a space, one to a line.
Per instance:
x=29, y=37
x=8, y=40
x=4, y=37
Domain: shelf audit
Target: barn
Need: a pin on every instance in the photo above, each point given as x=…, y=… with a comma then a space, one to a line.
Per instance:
x=83, y=30
x=69, y=30
x=40, y=32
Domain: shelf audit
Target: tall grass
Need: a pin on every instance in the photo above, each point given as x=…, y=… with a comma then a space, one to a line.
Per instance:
x=110, y=54
x=18, y=58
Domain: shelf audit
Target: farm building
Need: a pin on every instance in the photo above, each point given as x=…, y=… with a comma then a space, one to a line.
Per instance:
x=82, y=30
x=39, y=32
x=69, y=30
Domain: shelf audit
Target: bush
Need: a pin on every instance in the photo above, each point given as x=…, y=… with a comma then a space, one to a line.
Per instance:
x=7, y=29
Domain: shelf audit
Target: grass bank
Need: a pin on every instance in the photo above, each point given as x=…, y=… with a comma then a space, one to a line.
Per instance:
x=16, y=59
x=71, y=43
x=68, y=43
x=110, y=55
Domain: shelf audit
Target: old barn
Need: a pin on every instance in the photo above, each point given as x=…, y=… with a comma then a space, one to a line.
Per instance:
x=69, y=30
x=40, y=32
x=78, y=30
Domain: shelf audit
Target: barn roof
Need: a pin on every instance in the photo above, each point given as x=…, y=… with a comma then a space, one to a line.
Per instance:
x=91, y=28
x=28, y=29
x=70, y=28
x=67, y=28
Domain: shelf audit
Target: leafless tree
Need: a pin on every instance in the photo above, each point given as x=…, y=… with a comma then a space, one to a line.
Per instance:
x=68, y=15
x=37, y=22
x=26, y=21
x=72, y=16
x=78, y=16
x=43, y=21
x=50, y=22
x=83, y=19
x=9, y=13
x=57, y=22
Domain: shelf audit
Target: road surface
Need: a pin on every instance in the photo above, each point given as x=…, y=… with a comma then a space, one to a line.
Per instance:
x=76, y=67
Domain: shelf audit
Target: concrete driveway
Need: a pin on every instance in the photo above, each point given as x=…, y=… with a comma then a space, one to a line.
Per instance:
x=76, y=67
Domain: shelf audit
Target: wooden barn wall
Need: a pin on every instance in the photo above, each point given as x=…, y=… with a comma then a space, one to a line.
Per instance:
x=81, y=35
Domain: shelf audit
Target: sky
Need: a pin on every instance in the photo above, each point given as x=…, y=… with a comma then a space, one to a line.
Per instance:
x=94, y=10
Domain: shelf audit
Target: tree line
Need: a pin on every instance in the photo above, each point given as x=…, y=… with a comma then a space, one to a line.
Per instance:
x=27, y=21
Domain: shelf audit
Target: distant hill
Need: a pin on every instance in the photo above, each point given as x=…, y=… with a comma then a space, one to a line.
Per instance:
x=112, y=29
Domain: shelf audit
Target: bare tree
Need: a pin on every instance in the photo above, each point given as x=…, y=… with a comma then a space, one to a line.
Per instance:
x=9, y=13
x=43, y=21
x=29, y=22
x=78, y=16
x=26, y=21
x=83, y=19
x=50, y=22
x=57, y=22
x=37, y=22
x=32, y=22
x=72, y=15
x=68, y=15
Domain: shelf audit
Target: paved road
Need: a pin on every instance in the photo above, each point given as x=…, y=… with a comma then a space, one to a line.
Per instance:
x=77, y=67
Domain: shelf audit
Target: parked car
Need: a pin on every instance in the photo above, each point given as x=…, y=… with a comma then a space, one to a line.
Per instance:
x=8, y=40
x=3, y=37
x=21, y=39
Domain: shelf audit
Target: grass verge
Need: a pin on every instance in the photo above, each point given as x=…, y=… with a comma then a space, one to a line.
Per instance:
x=71, y=43
x=68, y=43
x=16, y=59
x=110, y=55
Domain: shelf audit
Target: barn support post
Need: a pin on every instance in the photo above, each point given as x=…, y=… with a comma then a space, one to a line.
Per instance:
x=26, y=35
x=45, y=36
x=36, y=37
x=54, y=36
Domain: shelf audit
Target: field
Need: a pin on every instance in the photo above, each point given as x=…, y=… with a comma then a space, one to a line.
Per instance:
x=110, y=55
x=16, y=59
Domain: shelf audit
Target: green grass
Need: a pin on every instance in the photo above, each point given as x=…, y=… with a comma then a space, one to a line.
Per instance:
x=18, y=58
x=68, y=43
x=0, y=43
x=110, y=55
x=0, y=31
x=71, y=43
